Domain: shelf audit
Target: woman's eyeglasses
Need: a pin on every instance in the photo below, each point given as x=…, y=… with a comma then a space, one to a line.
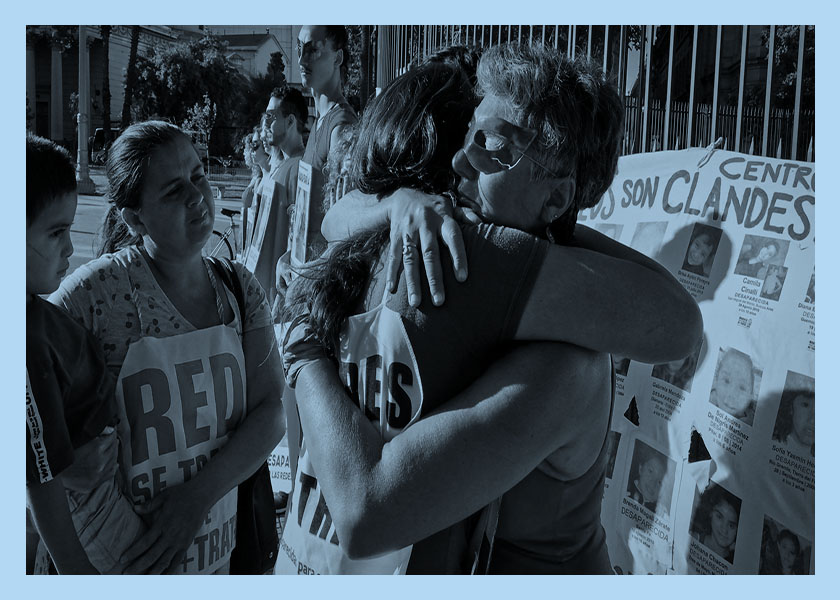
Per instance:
x=493, y=145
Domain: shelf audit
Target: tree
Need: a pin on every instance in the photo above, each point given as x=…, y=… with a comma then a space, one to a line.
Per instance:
x=130, y=77
x=171, y=80
x=785, y=59
x=277, y=68
x=255, y=95
x=353, y=83
x=201, y=118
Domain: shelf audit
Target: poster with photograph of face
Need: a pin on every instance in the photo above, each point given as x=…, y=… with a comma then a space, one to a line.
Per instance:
x=678, y=373
x=714, y=520
x=736, y=384
x=773, y=282
x=701, y=250
x=757, y=253
x=795, y=419
x=651, y=479
x=647, y=238
x=783, y=552
x=612, y=230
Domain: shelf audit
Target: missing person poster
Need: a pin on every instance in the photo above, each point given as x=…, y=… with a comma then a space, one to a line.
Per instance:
x=299, y=234
x=712, y=468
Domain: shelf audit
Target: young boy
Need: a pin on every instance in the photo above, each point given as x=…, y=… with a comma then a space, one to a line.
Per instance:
x=72, y=491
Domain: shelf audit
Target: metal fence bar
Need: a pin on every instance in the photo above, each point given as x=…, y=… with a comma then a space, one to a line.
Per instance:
x=572, y=41
x=717, y=82
x=741, y=77
x=589, y=43
x=667, y=140
x=800, y=63
x=648, y=35
x=606, y=45
x=690, y=132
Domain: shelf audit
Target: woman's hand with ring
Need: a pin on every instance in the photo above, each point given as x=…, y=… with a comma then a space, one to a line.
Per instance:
x=417, y=219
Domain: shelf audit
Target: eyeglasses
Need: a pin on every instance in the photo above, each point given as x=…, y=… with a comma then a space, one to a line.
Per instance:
x=272, y=115
x=493, y=145
x=313, y=50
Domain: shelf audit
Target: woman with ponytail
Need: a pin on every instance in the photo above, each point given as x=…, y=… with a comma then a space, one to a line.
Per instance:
x=197, y=368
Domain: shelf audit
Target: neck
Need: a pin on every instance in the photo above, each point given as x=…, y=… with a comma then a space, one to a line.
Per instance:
x=293, y=145
x=179, y=269
x=276, y=156
x=325, y=98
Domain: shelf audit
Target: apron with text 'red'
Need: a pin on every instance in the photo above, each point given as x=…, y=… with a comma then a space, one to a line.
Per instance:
x=376, y=360
x=178, y=399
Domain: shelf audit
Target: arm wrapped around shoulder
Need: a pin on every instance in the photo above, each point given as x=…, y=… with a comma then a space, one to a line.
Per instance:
x=300, y=347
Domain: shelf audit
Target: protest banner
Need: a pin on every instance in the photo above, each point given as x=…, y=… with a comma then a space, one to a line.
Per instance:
x=712, y=462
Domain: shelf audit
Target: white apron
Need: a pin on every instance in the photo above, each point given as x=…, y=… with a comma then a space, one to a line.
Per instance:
x=377, y=355
x=178, y=399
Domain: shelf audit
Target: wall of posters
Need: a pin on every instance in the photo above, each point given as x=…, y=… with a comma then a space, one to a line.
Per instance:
x=712, y=465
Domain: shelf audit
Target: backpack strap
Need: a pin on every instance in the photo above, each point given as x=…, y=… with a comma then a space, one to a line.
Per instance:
x=224, y=268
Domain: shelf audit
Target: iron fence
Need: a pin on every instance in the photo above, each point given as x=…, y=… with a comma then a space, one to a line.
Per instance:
x=645, y=59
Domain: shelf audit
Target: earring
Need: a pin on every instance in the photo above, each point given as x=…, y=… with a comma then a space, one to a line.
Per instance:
x=548, y=232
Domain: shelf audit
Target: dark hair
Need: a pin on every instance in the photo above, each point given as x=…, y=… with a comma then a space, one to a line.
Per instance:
x=709, y=499
x=292, y=102
x=407, y=137
x=788, y=534
x=465, y=57
x=50, y=174
x=577, y=112
x=337, y=34
x=410, y=132
x=128, y=159
x=784, y=418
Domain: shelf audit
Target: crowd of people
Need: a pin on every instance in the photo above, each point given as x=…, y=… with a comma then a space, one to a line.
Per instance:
x=415, y=308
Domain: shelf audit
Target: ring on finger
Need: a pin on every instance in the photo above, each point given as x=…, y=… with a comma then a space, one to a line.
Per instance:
x=408, y=245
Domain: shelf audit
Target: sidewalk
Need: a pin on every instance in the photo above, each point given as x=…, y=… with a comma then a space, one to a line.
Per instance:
x=92, y=208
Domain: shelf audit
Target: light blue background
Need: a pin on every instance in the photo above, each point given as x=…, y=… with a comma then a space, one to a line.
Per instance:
x=17, y=14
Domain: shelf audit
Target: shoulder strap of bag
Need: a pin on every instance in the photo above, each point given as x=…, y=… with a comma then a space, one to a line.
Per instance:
x=224, y=268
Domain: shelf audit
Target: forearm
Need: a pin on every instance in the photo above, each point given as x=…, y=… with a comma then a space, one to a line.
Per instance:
x=609, y=298
x=445, y=467
x=255, y=437
x=51, y=514
x=249, y=446
x=354, y=212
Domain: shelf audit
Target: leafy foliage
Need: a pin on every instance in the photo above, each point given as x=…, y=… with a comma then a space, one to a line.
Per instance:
x=174, y=79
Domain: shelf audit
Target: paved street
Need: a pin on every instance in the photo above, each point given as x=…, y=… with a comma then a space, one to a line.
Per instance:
x=92, y=209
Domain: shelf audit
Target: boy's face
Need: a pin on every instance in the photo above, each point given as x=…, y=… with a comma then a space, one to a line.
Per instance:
x=48, y=245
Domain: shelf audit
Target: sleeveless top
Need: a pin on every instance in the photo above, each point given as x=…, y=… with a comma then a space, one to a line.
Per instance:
x=317, y=149
x=549, y=526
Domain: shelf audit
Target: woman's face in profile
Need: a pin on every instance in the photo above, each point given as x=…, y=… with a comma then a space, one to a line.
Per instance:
x=724, y=524
x=699, y=250
x=787, y=553
x=650, y=478
x=803, y=419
